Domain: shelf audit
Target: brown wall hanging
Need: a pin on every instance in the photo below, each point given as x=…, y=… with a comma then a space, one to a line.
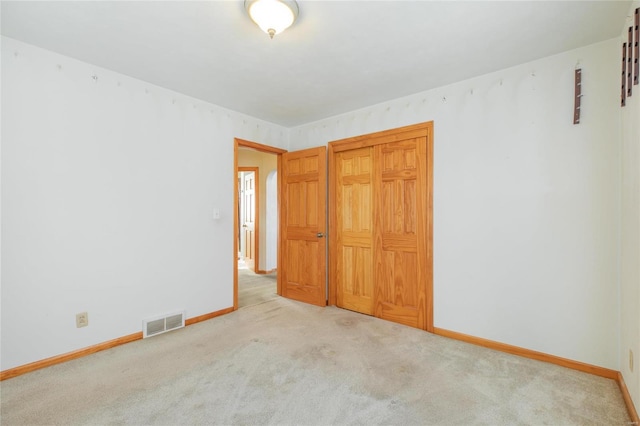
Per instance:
x=578, y=95
x=629, y=63
x=636, y=72
x=623, y=92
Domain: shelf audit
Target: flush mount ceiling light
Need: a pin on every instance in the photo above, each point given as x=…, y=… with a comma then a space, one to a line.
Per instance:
x=272, y=16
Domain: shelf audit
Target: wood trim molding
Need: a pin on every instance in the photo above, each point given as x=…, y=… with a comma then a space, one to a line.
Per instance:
x=635, y=420
x=236, y=225
x=429, y=225
x=59, y=359
x=259, y=147
x=385, y=136
x=332, y=233
x=528, y=353
x=200, y=318
x=279, y=262
x=552, y=359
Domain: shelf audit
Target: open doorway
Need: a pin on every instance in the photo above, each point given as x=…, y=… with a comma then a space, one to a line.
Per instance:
x=256, y=223
x=248, y=216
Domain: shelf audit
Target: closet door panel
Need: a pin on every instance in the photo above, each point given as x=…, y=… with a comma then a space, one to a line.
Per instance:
x=355, y=232
x=399, y=225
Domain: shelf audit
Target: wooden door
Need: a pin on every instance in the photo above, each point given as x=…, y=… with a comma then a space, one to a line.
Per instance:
x=303, y=214
x=249, y=217
x=400, y=229
x=354, y=222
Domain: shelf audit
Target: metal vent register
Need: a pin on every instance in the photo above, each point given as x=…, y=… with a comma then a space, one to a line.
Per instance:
x=162, y=324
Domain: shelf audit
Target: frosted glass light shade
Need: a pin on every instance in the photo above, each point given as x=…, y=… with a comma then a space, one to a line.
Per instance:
x=272, y=16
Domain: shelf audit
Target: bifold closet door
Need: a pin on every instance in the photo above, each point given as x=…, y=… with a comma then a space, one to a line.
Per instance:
x=382, y=229
x=354, y=220
x=400, y=231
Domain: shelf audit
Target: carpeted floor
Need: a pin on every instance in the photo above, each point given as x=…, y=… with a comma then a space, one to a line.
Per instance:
x=255, y=288
x=286, y=363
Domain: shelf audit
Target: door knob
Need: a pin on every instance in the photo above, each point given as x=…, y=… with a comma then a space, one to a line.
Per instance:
x=319, y=235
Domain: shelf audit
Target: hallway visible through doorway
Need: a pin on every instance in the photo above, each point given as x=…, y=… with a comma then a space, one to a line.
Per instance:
x=253, y=288
x=256, y=223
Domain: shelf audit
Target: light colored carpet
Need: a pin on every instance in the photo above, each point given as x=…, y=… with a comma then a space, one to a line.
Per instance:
x=288, y=363
x=255, y=288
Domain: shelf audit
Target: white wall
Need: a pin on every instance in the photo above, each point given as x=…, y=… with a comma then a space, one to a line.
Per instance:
x=630, y=236
x=526, y=209
x=266, y=163
x=108, y=191
x=272, y=221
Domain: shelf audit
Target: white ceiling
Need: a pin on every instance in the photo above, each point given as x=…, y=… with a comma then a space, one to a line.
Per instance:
x=337, y=57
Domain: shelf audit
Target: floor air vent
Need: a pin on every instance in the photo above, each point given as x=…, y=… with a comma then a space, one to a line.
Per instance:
x=162, y=324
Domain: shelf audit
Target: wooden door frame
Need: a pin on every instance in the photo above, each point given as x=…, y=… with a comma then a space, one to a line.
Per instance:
x=369, y=140
x=256, y=214
x=260, y=148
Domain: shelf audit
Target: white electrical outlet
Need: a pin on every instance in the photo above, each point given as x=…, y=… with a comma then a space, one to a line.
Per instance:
x=82, y=319
x=631, y=360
